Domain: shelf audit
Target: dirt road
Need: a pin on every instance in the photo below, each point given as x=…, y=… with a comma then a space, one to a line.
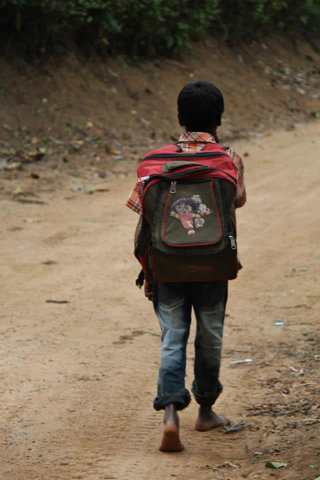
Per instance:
x=78, y=378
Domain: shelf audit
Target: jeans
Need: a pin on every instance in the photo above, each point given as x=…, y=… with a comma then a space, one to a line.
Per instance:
x=173, y=304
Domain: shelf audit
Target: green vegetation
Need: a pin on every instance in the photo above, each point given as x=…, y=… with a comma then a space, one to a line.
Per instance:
x=145, y=27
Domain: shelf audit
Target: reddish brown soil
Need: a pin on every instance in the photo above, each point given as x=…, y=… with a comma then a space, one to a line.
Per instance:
x=78, y=378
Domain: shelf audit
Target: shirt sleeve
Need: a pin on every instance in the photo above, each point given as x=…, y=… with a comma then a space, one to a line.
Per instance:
x=241, y=195
x=133, y=201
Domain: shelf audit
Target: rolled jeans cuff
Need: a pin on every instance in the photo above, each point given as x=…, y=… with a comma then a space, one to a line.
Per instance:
x=207, y=399
x=181, y=400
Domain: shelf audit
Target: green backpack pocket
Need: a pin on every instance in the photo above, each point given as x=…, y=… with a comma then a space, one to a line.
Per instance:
x=191, y=216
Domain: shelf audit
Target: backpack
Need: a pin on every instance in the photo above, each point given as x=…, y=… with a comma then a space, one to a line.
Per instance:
x=187, y=231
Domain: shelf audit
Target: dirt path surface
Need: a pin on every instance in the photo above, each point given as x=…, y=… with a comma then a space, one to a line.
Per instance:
x=78, y=378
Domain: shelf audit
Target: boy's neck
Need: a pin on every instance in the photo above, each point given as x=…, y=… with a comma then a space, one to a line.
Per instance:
x=211, y=131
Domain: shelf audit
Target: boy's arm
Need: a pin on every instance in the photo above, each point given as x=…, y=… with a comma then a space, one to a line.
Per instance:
x=148, y=289
x=141, y=240
x=241, y=196
x=133, y=201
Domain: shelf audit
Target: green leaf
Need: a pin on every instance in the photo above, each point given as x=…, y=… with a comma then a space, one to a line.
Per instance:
x=314, y=466
x=275, y=464
x=17, y=191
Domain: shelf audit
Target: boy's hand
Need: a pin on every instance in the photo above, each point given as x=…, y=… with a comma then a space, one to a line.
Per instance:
x=148, y=290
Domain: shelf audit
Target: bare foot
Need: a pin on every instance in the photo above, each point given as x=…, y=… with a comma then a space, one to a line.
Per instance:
x=171, y=439
x=208, y=419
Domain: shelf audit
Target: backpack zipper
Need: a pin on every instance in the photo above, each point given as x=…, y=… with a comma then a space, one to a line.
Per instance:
x=163, y=176
x=173, y=186
x=147, y=178
x=233, y=242
x=185, y=155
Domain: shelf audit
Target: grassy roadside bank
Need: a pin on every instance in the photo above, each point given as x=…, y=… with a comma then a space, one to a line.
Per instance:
x=99, y=115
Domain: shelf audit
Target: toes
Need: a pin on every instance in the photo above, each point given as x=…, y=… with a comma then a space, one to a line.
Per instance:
x=225, y=421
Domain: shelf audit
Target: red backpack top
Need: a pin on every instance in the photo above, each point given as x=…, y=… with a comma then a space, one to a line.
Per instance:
x=212, y=155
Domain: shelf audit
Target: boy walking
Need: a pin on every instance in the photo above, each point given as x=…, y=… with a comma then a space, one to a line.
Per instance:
x=200, y=109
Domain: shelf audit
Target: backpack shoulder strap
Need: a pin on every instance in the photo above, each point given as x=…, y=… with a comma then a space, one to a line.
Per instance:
x=173, y=148
x=214, y=147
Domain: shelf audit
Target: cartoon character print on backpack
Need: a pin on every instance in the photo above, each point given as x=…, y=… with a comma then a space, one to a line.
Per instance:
x=190, y=212
x=202, y=211
x=185, y=210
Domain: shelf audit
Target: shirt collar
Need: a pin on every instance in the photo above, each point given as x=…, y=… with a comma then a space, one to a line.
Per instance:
x=202, y=137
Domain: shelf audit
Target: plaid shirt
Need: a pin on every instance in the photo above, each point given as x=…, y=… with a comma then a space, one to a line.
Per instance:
x=192, y=142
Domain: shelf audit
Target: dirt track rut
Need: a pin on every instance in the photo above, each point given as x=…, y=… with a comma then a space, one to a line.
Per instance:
x=78, y=378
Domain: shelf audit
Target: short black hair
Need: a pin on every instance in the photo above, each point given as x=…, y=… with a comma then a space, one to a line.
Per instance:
x=200, y=106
